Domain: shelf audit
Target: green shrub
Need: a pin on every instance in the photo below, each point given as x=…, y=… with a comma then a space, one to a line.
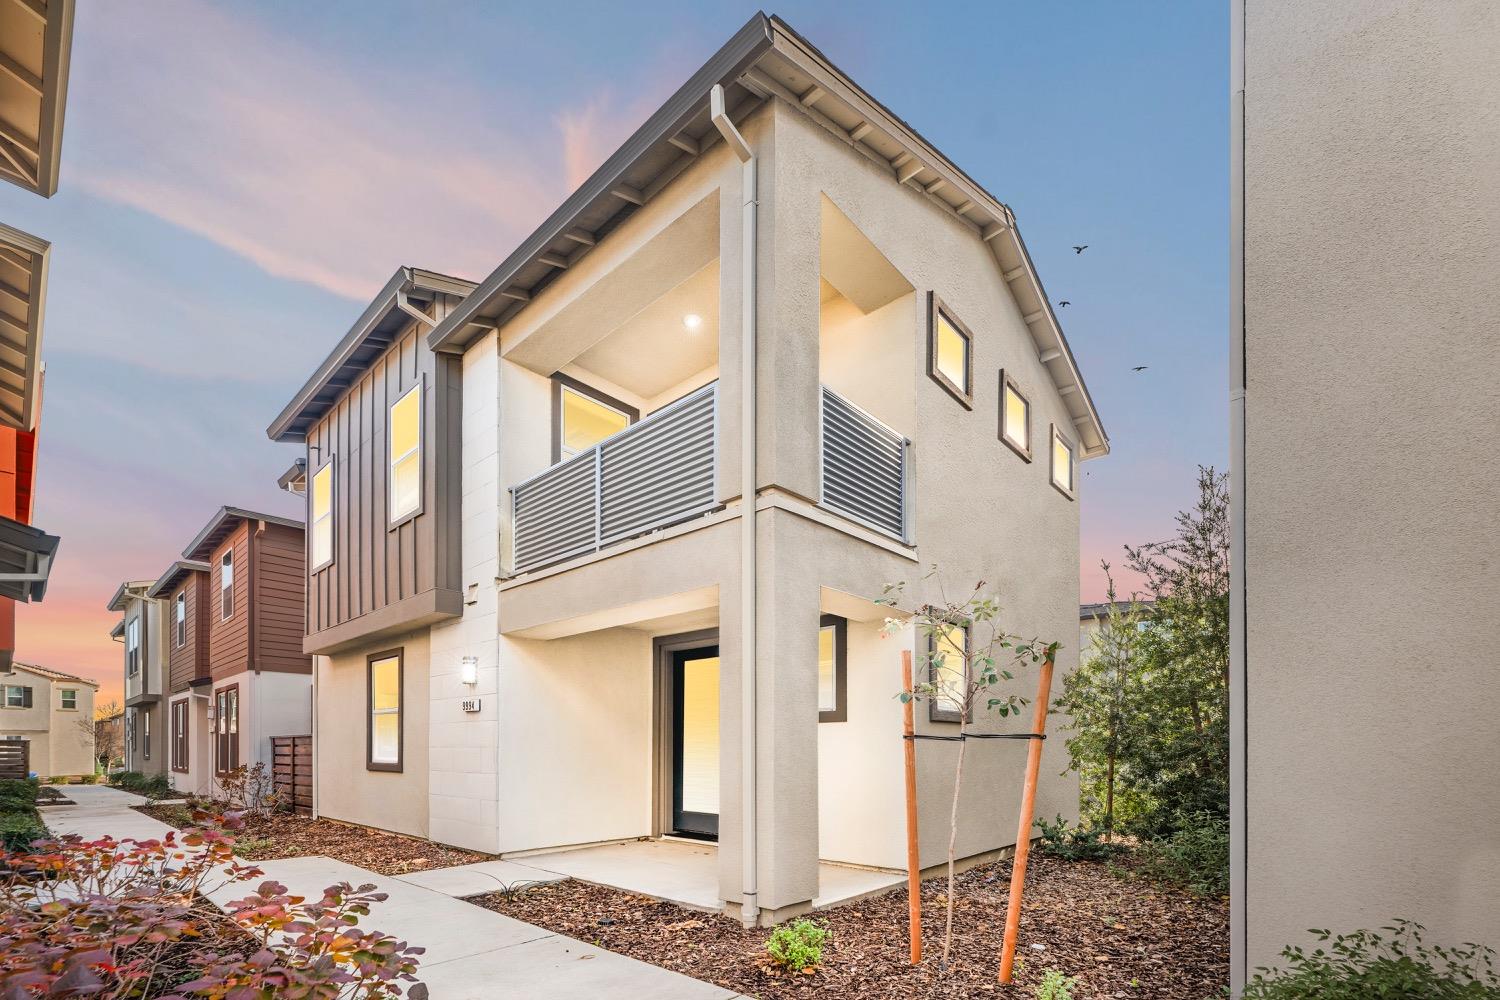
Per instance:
x=1365, y=964
x=1055, y=986
x=1074, y=843
x=1195, y=857
x=797, y=945
x=19, y=828
x=18, y=794
x=127, y=780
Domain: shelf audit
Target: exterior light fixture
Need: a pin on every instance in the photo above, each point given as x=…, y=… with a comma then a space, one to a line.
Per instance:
x=470, y=672
x=692, y=322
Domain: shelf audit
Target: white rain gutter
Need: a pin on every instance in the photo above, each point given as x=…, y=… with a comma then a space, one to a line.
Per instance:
x=404, y=304
x=749, y=744
x=1238, y=649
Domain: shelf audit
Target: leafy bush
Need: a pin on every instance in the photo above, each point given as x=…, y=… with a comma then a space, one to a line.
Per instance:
x=112, y=920
x=797, y=945
x=1394, y=964
x=18, y=793
x=1195, y=857
x=1074, y=843
x=1055, y=986
x=156, y=786
x=18, y=829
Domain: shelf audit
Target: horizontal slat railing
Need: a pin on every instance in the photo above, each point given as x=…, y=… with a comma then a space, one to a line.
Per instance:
x=656, y=472
x=866, y=468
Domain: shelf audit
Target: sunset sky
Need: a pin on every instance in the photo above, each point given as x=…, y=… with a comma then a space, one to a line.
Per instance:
x=238, y=180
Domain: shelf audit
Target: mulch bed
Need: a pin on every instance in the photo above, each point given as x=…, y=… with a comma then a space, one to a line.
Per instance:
x=1121, y=936
x=287, y=836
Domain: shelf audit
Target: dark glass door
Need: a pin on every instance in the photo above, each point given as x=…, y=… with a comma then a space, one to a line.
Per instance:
x=695, y=742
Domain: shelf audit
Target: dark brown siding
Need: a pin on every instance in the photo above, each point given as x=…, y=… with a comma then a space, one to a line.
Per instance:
x=191, y=660
x=279, y=577
x=376, y=566
x=229, y=641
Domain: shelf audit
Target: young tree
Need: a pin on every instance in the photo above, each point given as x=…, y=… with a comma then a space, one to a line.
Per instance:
x=961, y=646
x=107, y=734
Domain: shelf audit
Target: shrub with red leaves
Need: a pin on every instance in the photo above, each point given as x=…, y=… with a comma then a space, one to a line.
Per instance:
x=117, y=919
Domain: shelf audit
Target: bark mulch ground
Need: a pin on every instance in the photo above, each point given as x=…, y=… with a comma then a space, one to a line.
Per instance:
x=1121, y=936
x=286, y=836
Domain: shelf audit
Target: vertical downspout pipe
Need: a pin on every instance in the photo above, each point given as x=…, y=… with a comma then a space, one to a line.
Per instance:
x=1238, y=647
x=749, y=842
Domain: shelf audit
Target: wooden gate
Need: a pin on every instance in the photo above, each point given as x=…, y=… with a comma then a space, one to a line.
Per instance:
x=15, y=758
x=291, y=770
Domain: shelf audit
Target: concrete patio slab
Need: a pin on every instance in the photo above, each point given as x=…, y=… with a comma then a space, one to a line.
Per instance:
x=480, y=877
x=840, y=884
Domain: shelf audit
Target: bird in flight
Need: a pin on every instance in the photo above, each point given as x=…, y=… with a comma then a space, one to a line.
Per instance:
x=1064, y=304
x=1081, y=249
x=1140, y=368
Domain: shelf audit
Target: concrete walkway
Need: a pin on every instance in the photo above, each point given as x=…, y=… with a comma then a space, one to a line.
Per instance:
x=472, y=952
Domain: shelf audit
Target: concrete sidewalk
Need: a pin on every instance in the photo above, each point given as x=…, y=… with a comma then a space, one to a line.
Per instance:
x=472, y=952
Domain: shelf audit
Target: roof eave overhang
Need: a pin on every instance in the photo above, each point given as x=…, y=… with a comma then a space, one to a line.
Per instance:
x=224, y=522
x=24, y=263
x=29, y=164
x=174, y=575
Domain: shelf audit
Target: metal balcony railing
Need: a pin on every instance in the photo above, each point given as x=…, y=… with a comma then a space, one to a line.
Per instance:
x=656, y=472
x=866, y=468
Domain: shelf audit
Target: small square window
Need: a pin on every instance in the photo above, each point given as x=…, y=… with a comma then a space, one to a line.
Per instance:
x=1015, y=417
x=1064, y=465
x=950, y=352
x=69, y=699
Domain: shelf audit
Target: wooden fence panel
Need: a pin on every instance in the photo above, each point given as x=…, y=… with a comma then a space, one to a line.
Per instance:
x=291, y=769
x=15, y=758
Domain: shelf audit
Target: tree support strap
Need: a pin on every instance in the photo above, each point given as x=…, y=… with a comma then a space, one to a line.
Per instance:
x=975, y=736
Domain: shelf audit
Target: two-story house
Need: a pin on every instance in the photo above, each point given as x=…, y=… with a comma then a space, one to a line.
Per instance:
x=214, y=666
x=53, y=714
x=595, y=546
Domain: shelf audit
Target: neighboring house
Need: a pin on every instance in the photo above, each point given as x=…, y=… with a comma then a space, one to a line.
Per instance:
x=35, y=44
x=1091, y=619
x=139, y=631
x=53, y=713
x=541, y=612
x=185, y=590
x=1366, y=225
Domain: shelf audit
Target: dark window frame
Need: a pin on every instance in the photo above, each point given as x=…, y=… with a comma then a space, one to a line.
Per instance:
x=179, y=618
x=146, y=734
x=1071, y=490
x=1008, y=382
x=935, y=308
x=226, y=743
x=226, y=558
x=936, y=713
x=333, y=494
x=419, y=387
x=840, y=710
x=559, y=381
x=27, y=698
x=132, y=646
x=399, y=655
x=180, y=715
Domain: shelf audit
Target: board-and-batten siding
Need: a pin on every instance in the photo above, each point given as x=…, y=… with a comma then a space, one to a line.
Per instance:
x=374, y=564
x=279, y=578
x=191, y=659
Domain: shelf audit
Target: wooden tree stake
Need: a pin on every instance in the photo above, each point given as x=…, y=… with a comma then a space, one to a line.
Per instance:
x=913, y=856
x=1023, y=835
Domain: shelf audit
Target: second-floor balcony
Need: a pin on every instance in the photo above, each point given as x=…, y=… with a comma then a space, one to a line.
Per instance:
x=664, y=470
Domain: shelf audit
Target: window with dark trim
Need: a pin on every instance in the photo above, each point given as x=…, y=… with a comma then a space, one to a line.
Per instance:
x=320, y=516
x=226, y=729
x=132, y=647
x=1015, y=416
x=582, y=416
x=384, y=737
x=17, y=696
x=180, y=735
x=146, y=734
x=1064, y=465
x=404, y=445
x=833, y=669
x=179, y=617
x=950, y=351
x=948, y=664
x=226, y=585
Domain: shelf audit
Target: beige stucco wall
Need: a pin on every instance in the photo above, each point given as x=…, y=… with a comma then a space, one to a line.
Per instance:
x=59, y=746
x=197, y=779
x=1372, y=247
x=346, y=788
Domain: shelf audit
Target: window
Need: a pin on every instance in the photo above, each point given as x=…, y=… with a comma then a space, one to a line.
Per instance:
x=226, y=586
x=384, y=740
x=180, y=735
x=833, y=669
x=320, y=502
x=1015, y=417
x=582, y=417
x=146, y=734
x=133, y=647
x=179, y=618
x=406, y=455
x=950, y=352
x=17, y=696
x=947, y=665
x=69, y=699
x=1063, y=465
x=130, y=732
x=227, y=729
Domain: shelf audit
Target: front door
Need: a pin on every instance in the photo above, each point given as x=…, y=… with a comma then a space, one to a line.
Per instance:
x=695, y=742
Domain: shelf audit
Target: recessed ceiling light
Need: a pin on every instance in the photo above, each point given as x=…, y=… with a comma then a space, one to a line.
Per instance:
x=692, y=322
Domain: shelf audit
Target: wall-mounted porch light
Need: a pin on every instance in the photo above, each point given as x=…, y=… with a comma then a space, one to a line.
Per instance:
x=469, y=673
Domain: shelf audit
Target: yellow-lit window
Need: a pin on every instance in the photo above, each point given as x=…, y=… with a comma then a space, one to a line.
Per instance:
x=948, y=659
x=1015, y=417
x=385, y=713
x=321, y=503
x=950, y=353
x=832, y=667
x=406, y=454
x=586, y=421
x=1063, y=471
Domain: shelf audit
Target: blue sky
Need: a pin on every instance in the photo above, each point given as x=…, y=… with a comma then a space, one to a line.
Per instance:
x=239, y=179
